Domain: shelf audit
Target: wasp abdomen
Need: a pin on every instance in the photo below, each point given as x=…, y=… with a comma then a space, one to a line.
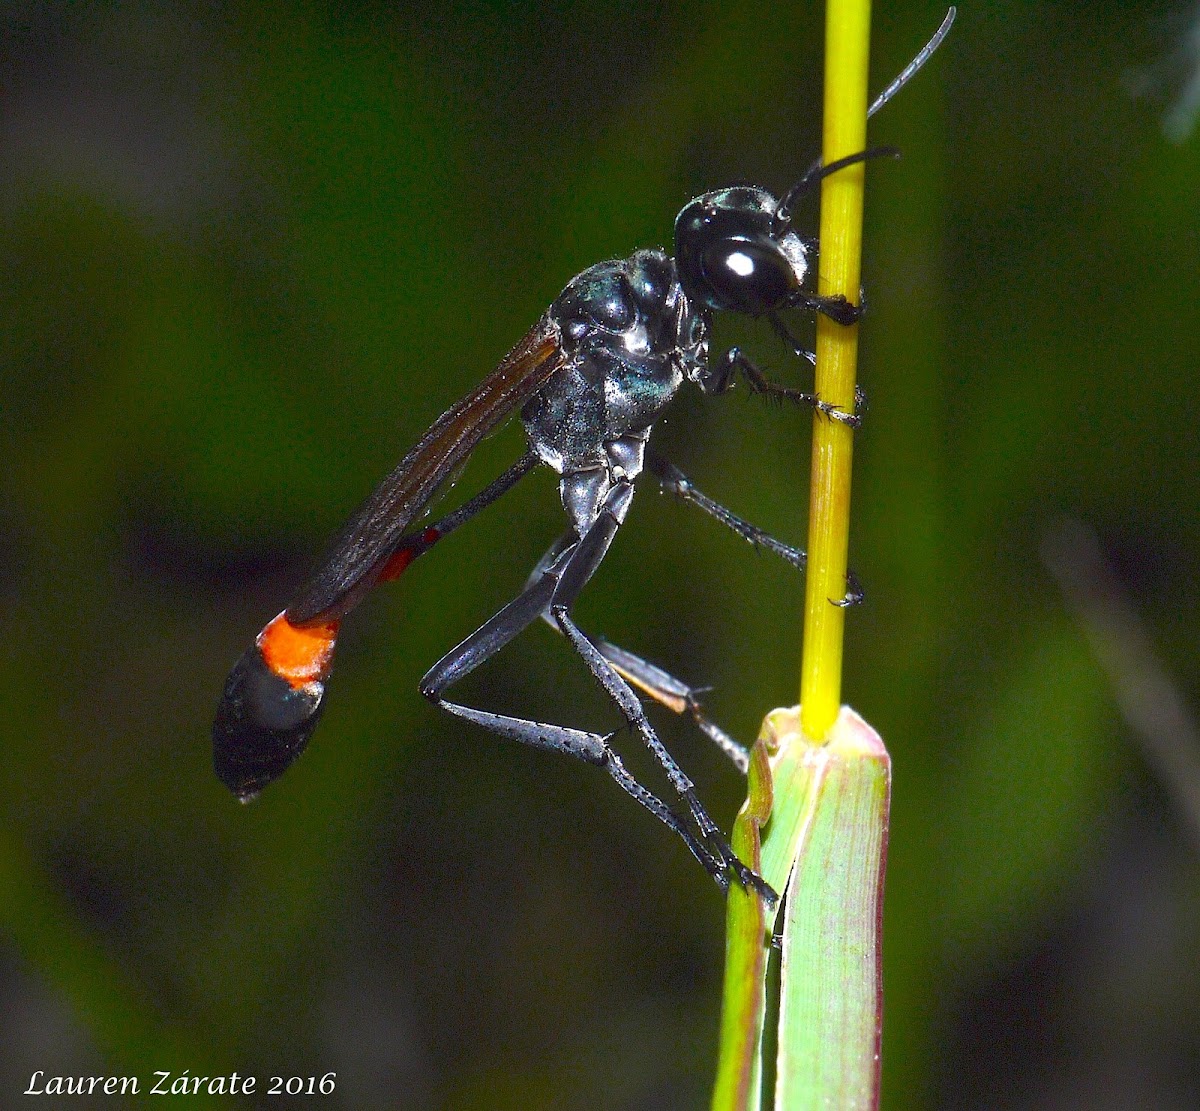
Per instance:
x=271, y=704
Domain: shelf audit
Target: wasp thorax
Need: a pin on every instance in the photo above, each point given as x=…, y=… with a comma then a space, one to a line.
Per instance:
x=729, y=256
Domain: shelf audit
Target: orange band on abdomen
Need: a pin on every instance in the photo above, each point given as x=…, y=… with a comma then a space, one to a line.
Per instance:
x=298, y=654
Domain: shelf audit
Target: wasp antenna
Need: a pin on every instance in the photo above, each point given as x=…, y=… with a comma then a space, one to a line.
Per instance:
x=913, y=67
x=817, y=173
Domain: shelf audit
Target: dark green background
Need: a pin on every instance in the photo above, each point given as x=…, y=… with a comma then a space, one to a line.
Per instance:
x=248, y=254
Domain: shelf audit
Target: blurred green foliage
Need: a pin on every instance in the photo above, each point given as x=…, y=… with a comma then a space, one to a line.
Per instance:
x=250, y=252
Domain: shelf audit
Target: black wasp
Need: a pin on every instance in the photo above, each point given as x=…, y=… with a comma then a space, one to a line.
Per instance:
x=589, y=379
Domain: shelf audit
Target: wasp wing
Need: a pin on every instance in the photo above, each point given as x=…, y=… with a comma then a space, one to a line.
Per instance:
x=360, y=551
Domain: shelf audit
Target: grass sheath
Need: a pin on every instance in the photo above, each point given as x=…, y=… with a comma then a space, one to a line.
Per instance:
x=815, y=825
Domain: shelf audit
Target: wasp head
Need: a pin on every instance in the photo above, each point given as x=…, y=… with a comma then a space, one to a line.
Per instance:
x=733, y=254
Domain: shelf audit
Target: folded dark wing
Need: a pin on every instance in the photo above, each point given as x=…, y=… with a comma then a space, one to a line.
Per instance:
x=359, y=552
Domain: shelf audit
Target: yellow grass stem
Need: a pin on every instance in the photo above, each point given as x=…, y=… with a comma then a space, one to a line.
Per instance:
x=847, y=40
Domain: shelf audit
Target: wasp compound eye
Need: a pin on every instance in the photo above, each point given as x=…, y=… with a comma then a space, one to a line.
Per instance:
x=751, y=276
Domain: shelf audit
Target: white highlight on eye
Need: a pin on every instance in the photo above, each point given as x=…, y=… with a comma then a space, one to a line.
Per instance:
x=741, y=264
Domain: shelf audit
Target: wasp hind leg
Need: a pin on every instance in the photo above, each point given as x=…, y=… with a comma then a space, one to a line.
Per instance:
x=673, y=693
x=563, y=573
x=631, y=707
x=676, y=695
